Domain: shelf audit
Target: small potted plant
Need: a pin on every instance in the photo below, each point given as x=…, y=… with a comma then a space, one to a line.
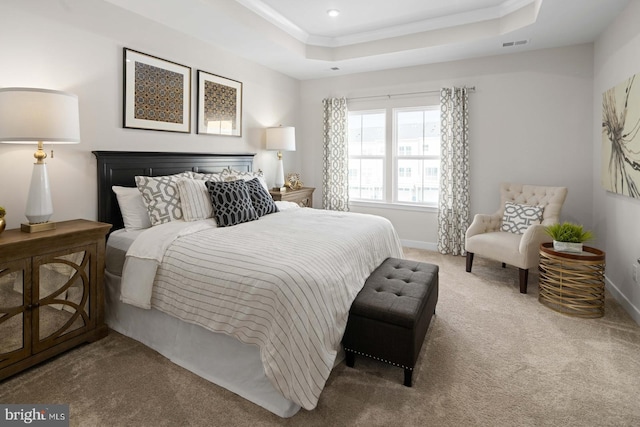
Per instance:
x=3, y=224
x=568, y=237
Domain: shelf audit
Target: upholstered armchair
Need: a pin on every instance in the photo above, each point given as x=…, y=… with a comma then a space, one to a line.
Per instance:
x=491, y=237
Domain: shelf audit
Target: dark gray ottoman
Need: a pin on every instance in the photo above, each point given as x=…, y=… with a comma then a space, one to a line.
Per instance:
x=390, y=316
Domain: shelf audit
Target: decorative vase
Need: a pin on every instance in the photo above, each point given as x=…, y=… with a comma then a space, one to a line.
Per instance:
x=567, y=247
x=3, y=224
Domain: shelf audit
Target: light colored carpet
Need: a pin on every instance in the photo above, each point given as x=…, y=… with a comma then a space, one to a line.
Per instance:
x=492, y=357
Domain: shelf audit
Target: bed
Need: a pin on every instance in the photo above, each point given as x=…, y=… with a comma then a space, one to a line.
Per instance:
x=272, y=295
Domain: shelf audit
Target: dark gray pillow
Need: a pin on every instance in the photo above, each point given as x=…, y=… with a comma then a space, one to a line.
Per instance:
x=231, y=202
x=262, y=201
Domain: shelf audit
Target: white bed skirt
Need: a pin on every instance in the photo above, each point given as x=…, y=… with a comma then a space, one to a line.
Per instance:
x=216, y=357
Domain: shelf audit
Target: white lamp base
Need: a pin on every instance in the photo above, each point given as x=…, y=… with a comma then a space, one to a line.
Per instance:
x=279, y=173
x=39, y=207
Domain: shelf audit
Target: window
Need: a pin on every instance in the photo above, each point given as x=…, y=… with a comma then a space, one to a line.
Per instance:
x=367, y=155
x=394, y=155
x=417, y=136
x=405, y=150
x=404, y=172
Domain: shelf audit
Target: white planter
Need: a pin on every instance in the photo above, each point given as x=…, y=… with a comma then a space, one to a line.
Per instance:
x=567, y=247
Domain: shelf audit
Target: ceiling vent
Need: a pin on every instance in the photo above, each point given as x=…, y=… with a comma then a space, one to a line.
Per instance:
x=515, y=43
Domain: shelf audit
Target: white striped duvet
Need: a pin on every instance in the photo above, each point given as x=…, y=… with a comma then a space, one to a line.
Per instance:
x=284, y=283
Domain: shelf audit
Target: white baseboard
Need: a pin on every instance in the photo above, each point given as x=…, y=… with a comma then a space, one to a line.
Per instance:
x=633, y=311
x=417, y=244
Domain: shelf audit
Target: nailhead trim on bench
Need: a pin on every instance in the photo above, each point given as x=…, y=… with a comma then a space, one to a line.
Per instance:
x=378, y=358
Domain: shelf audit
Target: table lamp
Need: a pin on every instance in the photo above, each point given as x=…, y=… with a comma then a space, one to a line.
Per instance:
x=282, y=138
x=29, y=116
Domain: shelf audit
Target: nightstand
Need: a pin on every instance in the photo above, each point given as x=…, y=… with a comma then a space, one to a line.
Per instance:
x=302, y=196
x=51, y=292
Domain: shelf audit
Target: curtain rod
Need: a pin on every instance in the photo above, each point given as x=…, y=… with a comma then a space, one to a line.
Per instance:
x=472, y=89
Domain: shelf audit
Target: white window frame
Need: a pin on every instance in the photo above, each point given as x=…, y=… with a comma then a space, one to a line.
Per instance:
x=387, y=105
x=396, y=157
x=383, y=157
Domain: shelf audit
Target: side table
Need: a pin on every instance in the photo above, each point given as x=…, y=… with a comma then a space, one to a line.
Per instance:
x=302, y=196
x=570, y=283
x=51, y=292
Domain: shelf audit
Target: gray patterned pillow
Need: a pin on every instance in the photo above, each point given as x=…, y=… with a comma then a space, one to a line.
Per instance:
x=231, y=202
x=260, y=198
x=161, y=196
x=214, y=176
x=229, y=174
x=517, y=218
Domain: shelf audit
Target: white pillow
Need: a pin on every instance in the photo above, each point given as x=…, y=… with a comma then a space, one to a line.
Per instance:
x=132, y=207
x=517, y=218
x=195, y=199
x=285, y=206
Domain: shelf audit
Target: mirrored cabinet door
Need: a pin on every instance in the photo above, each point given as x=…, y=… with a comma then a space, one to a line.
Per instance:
x=15, y=314
x=62, y=297
x=51, y=292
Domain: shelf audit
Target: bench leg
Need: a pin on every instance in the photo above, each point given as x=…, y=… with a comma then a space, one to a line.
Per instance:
x=407, y=376
x=350, y=358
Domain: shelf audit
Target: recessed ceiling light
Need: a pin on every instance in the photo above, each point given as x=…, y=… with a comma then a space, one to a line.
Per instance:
x=333, y=12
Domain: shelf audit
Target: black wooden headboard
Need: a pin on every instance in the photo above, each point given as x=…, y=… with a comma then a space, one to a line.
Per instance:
x=121, y=167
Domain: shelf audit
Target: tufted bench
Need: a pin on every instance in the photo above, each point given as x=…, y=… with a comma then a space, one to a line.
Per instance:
x=389, y=318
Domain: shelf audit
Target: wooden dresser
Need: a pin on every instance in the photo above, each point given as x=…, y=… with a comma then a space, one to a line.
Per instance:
x=302, y=196
x=51, y=292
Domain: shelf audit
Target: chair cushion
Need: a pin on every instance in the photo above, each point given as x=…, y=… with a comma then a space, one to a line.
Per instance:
x=498, y=245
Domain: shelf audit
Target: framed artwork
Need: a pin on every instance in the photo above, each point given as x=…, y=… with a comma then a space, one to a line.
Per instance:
x=219, y=105
x=157, y=93
x=620, y=138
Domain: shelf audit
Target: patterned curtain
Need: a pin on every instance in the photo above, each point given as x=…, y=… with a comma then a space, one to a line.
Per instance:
x=335, y=172
x=453, y=214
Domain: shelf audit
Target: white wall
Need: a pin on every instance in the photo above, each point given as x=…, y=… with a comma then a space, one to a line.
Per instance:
x=616, y=217
x=78, y=47
x=529, y=121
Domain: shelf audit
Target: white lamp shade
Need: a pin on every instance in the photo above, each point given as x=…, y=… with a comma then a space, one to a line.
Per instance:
x=30, y=115
x=282, y=138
